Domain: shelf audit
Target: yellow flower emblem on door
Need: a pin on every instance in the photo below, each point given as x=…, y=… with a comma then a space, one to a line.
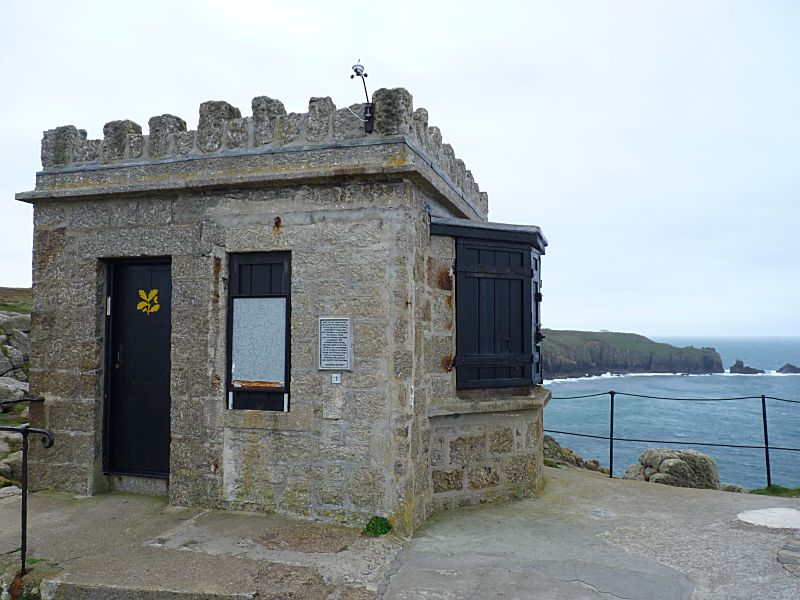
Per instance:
x=149, y=303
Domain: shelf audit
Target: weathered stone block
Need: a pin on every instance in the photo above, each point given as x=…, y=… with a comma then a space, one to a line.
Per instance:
x=296, y=500
x=447, y=481
x=213, y=115
x=420, y=126
x=49, y=215
x=501, y=441
x=236, y=134
x=334, y=402
x=300, y=472
x=366, y=486
x=331, y=494
x=275, y=474
x=435, y=143
x=122, y=214
x=320, y=119
x=135, y=145
x=287, y=128
x=115, y=138
x=479, y=478
x=72, y=448
x=74, y=479
x=71, y=415
x=88, y=215
x=184, y=142
x=266, y=111
x=348, y=123
x=154, y=212
x=161, y=127
x=59, y=146
x=467, y=449
x=393, y=111
x=519, y=469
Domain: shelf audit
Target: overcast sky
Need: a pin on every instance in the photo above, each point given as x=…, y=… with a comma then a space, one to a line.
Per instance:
x=657, y=144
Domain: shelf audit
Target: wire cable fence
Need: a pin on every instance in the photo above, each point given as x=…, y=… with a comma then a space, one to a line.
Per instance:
x=766, y=447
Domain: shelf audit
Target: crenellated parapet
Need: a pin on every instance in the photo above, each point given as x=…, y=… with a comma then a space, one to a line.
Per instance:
x=222, y=130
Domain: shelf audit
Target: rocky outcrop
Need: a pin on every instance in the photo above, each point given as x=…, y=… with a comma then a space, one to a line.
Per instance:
x=741, y=369
x=789, y=369
x=14, y=356
x=14, y=345
x=559, y=455
x=581, y=353
x=679, y=468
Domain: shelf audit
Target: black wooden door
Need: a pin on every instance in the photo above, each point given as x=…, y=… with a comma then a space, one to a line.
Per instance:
x=137, y=432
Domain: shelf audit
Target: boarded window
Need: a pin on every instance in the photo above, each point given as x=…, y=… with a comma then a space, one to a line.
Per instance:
x=258, y=324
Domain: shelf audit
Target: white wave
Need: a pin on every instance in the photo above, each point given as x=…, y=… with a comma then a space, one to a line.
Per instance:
x=609, y=375
x=621, y=375
x=767, y=373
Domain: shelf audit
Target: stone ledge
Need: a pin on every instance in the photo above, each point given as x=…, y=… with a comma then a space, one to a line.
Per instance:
x=537, y=398
x=396, y=156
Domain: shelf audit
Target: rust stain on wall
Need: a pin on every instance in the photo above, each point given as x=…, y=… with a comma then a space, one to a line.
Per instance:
x=217, y=271
x=277, y=223
x=443, y=280
x=447, y=363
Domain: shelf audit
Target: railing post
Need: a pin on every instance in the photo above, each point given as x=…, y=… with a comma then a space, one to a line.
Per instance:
x=611, y=438
x=47, y=442
x=24, y=541
x=766, y=438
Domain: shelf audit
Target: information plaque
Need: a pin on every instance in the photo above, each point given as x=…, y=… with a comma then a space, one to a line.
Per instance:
x=335, y=344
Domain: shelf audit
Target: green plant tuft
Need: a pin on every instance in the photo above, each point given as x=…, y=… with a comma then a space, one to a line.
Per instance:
x=549, y=462
x=377, y=526
x=778, y=490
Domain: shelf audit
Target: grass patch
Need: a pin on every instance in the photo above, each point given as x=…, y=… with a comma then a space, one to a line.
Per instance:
x=549, y=462
x=14, y=416
x=778, y=490
x=19, y=300
x=377, y=526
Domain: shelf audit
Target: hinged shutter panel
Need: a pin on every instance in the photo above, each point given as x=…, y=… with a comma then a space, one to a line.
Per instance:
x=493, y=314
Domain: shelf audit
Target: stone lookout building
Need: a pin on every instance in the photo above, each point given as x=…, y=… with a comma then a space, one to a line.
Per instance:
x=283, y=312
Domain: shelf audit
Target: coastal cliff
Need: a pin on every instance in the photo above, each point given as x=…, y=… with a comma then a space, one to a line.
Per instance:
x=581, y=353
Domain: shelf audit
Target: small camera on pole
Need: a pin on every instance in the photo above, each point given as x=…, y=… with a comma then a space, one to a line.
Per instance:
x=358, y=71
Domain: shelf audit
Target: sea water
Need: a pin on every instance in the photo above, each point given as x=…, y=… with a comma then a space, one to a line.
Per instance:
x=737, y=422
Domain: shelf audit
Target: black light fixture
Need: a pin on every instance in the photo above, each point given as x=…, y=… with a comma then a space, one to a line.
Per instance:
x=358, y=71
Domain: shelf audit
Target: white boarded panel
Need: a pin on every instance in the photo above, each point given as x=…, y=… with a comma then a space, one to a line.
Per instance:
x=258, y=359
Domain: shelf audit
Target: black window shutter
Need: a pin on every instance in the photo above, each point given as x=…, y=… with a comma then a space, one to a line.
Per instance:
x=494, y=317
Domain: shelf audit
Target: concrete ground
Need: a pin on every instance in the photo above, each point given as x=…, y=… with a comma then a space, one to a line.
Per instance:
x=586, y=537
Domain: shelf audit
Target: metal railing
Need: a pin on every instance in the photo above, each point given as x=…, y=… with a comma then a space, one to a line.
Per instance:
x=611, y=438
x=47, y=442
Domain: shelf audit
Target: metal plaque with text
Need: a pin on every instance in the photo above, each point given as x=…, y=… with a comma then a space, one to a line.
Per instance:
x=335, y=343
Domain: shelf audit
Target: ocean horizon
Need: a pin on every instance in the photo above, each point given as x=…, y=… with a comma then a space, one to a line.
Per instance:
x=737, y=422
